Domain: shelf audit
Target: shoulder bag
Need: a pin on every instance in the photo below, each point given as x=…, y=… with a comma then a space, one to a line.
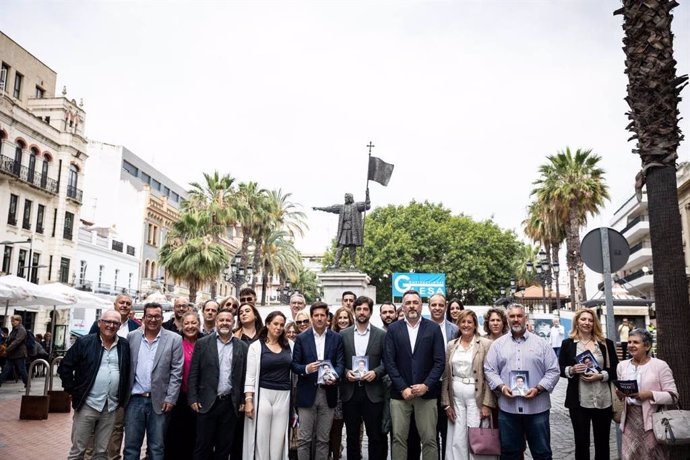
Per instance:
x=672, y=427
x=485, y=441
x=616, y=404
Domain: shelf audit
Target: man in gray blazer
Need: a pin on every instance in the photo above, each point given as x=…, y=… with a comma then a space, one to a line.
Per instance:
x=155, y=378
x=363, y=395
x=216, y=388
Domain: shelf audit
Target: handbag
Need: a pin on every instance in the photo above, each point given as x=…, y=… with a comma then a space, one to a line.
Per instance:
x=485, y=441
x=672, y=427
x=616, y=406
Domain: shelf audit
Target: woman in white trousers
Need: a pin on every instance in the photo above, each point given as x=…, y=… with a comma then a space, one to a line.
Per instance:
x=267, y=392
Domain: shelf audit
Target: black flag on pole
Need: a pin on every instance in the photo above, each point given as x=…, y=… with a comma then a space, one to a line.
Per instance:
x=380, y=171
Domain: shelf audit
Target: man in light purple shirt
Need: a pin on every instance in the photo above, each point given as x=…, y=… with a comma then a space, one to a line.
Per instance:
x=525, y=416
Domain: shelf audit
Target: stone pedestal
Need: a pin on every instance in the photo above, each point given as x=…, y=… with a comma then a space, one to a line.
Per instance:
x=334, y=282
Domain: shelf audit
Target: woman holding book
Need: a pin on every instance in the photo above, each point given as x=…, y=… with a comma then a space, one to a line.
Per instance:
x=588, y=396
x=465, y=395
x=656, y=387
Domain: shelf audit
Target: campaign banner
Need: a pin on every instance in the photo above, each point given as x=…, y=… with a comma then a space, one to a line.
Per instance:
x=427, y=284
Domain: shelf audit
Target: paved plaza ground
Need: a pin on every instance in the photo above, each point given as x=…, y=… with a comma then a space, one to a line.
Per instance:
x=49, y=439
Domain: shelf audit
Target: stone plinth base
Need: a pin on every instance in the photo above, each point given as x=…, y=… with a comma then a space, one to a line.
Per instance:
x=334, y=282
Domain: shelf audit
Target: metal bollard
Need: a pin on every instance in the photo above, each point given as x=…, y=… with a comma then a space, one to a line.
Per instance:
x=35, y=407
x=60, y=400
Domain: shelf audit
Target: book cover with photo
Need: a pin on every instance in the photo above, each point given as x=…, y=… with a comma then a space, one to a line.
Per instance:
x=326, y=372
x=360, y=366
x=627, y=387
x=519, y=382
x=588, y=359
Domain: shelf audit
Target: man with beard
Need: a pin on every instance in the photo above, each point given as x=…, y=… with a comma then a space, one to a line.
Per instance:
x=414, y=356
x=526, y=416
x=388, y=314
x=180, y=307
x=363, y=396
x=216, y=386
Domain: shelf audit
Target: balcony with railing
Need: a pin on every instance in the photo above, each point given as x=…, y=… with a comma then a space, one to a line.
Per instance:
x=74, y=194
x=37, y=180
x=640, y=253
x=636, y=229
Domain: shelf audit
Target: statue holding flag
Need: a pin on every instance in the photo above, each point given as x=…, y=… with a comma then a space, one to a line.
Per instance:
x=351, y=222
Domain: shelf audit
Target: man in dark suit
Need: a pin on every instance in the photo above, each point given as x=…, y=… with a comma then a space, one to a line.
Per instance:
x=414, y=356
x=216, y=388
x=363, y=395
x=316, y=402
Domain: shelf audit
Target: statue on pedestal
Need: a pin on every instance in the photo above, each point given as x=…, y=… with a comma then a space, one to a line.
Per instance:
x=350, y=226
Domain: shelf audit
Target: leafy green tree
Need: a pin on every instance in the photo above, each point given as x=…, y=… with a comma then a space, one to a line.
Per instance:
x=191, y=254
x=307, y=284
x=477, y=257
x=572, y=186
x=278, y=257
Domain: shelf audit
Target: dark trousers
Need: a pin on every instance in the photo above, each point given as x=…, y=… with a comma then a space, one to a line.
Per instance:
x=19, y=364
x=181, y=435
x=514, y=428
x=441, y=430
x=215, y=429
x=600, y=419
x=624, y=349
x=359, y=409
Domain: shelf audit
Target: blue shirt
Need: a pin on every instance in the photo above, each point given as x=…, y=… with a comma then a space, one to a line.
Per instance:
x=145, y=358
x=105, y=386
x=529, y=353
x=224, y=366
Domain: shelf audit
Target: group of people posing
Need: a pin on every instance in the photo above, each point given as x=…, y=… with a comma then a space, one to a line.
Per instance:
x=229, y=385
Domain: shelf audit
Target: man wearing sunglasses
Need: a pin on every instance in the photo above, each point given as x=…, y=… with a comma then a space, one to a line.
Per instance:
x=123, y=305
x=95, y=372
x=248, y=295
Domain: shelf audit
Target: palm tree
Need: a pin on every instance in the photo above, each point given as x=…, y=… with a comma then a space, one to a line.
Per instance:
x=190, y=252
x=278, y=257
x=307, y=284
x=572, y=187
x=653, y=96
x=251, y=212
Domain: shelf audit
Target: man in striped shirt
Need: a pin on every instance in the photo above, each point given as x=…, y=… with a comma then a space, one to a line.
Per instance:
x=525, y=416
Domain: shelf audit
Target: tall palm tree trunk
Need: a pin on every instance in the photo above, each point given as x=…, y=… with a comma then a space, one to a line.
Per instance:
x=572, y=246
x=653, y=96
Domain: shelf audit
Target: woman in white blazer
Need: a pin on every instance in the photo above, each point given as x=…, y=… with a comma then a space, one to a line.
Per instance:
x=267, y=392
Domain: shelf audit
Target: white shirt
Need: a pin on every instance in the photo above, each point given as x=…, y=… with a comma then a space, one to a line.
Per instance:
x=556, y=336
x=124, y=329
x=361, y=341
x=413, y=331
x=320, y=342
x=442, y=325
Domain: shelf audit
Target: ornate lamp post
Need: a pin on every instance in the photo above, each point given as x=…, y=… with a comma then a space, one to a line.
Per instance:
x=544, y=271
x=235, y=274
x=286, y=293
x=506, y=300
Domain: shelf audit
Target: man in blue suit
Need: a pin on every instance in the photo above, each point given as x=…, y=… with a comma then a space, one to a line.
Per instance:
x=316, y=401
x=414, y=356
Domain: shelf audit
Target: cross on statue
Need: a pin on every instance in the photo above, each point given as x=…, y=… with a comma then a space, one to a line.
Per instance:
x=371, y=146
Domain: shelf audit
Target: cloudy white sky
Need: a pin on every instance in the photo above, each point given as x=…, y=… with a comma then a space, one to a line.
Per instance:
x=465, y=97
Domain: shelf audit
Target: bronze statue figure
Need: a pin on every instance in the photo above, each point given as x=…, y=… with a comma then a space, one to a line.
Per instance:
x=350, y=226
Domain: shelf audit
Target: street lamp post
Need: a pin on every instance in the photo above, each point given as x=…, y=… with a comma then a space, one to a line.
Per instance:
x=544, y=271
x=286, y=293
x=507, y=300
x=235, y=274
x=29, y=266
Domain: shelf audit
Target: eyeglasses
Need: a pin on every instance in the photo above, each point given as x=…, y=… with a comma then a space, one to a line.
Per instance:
x=232, y=305
x=304, y=321
x=153, y=318
x=246, y=299
x=111, y=323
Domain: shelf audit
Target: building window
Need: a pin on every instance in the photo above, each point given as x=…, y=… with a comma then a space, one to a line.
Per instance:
x=54, y=221
x=17, y=85
x=64, y=270
x=152, y=237
x=72, y=178
x=69, y=224
x=40, y=93
x=145, y=178
x=82, y=272
x=117, y=246
x=166, y=191
x=130, y=250
x=175, y=197
x=44, y=174
x=100, y=275
x=12, y=214
x=7, y=260
x=40, y=213
x=21, y=263
x=26, y=221
x=32, y=167
x=129, y=282
x=154, y=274
x=155, y=185
x=4, y=75
x=18, y=153
x=117, y=272
x=34, y=267
x=130, y=168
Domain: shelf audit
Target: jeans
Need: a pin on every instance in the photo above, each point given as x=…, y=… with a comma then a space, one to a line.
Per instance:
x=19, y=364
x=514, y=428
x=140, y=419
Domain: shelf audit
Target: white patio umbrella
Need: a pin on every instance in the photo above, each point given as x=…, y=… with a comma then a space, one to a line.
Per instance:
x=26, y=294
x=82, y=299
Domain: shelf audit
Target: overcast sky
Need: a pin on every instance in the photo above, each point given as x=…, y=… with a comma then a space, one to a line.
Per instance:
x=466, y=98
